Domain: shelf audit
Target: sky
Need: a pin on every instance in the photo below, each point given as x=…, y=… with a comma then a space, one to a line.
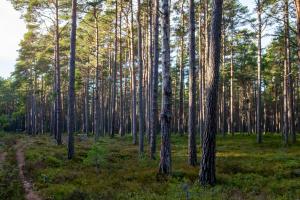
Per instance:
x=13, y=29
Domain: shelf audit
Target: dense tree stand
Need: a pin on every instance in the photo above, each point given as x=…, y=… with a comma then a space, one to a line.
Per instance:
x=141, y=92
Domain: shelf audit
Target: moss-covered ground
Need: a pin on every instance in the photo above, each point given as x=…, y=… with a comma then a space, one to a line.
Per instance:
x=112, y=169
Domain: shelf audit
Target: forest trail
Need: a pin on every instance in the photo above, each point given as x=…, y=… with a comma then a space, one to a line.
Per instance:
x=29, y=193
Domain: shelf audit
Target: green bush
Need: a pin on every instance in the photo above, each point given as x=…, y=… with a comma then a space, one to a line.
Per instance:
x=96, y=156
x=4, y=122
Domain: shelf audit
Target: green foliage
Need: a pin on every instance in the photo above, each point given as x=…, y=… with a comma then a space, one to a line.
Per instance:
x=96, y=156
x=4, y=122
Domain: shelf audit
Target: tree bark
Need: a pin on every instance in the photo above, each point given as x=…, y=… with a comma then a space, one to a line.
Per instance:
x=86, y=105
x=208, y=165
x=97, y=92
x=201, y=66
x=114, y=90
x=259, y=52
x=181, y=83
x=150, y=82
x=154, y=93
x=206, y=62
x=290, y=126
x=192, y=88
x=57, y=73
x=166, y=115
x=140, y=62
x=223, y=84
x=122, y=130
x=231, y=129
x=297, y=3
x=133, y=79
x=71, y=113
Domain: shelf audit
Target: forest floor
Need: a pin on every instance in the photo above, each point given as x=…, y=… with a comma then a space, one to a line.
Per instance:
x=27, y=185
x=112, y=169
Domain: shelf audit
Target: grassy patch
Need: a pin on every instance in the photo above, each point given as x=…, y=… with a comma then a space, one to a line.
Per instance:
x=112, y=169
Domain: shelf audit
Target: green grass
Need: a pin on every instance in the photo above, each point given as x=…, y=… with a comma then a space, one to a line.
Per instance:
x=112, y=169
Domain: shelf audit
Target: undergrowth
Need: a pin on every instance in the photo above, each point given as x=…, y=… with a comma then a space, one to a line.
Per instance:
x=113, y=169
x=10, y=184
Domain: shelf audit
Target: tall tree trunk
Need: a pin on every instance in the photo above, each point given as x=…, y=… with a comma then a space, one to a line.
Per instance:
x=34, y=105
x=122, y=130
x=297, y=3
x=231, y=129
x=86, y=105
x=97, y=92
x=133, y=79
x=289, y=78
x=150, y=68
x=258, y=101
x=102, y=102
x=192, y=88
x=93, y=110
x=154, y=93
x=140, y=62
x=206, y=62
x=110, y=93
x=53, y=109
x=114, y=90
x=42, y=106
x=223, y=84
x=208, y=165
x=181, y=84
x=201, y=66
x=57, y=85
x=71, y=109
x=285, y=86
x=166, y=115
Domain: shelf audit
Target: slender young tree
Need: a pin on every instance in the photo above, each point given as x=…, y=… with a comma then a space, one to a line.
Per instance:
x=231, y=129
x=166, y=112
x=208, y=165
x=192, y=87
x=71, y=101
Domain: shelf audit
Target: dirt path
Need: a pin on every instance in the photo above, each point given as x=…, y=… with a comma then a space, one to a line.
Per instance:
x=30, y=194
